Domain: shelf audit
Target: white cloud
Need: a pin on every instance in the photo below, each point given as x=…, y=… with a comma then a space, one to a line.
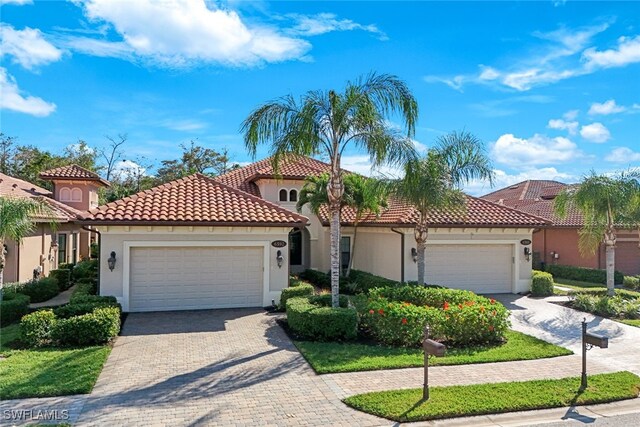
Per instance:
x=11, y=98
x=627, y=52
x=185, y=125
x=623, y=155
x=28, y=47
x=328, y=22
x=595, y=132
x=128, y=169
x=571, y=127
x=361, y=163
x=605, y=108
x=537, y=150
x=185, y=32
x=504, y=179
x=571, y=115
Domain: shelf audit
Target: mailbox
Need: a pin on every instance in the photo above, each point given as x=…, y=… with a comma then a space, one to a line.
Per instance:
x=596, y=340
x=434, y=348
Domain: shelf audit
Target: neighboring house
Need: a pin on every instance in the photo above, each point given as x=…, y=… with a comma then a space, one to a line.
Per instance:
x=231, y=241
x=557, y=243
x=75, y=191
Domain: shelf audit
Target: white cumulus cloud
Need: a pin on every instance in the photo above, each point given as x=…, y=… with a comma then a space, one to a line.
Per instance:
x=627, y=52
x=595, y=132
x=537, y=150
x=571, y=127
x=12, y=98
x=28, y=47
x=606, y=108
x=623, y=155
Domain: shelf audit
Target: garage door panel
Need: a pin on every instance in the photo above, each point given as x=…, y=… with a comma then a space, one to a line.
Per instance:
x=184, y=278
x=479, y=268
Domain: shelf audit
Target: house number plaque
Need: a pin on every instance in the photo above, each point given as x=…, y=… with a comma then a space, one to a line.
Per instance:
x=278, y=243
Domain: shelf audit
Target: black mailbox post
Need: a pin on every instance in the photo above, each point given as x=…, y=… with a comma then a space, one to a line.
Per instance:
x=431, y=348
x=588, y=342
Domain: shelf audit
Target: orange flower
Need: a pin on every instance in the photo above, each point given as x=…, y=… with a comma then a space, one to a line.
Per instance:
x=404, y=321
x=494, y=313
x=492, y=301
x=491, y=328
x=371, y=311
x=446, y=305
x=381, y=311
x=459, y=305
x=482, y=309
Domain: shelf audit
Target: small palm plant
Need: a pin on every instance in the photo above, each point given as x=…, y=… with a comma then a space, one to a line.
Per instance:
x=326, y=123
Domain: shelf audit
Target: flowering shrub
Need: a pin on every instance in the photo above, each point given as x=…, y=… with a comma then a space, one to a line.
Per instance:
x=466, y=319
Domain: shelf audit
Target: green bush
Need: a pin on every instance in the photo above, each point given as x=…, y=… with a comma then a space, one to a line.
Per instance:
x=606, y=306
x=361, y=282
x=62, y=277
x=66, y=266
x=35, y=328
x=312, y=320
x=317, y=278
x=97, y=327
x=631, y=282
x=420, y=295
x=585, y=302
x=84, y=287
x=13, y=307
x=582, y=274
x=80, y=308
x=300, y=290
x=541, y=284
x=86, y=269
x=95, y=299
x=40, y=290
x=93, y=251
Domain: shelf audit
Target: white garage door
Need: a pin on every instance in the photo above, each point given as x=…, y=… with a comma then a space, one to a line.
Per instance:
x=479, y=268
x=188, y=278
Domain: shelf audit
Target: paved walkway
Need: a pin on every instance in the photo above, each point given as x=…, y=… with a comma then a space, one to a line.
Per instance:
x=60, y=299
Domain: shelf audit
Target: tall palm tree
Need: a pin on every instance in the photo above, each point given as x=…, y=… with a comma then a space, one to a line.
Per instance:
x=17, y=222
x=327, y=123
x=603, y=202
x=365, y=196
x=433, y=182
x=314, y=193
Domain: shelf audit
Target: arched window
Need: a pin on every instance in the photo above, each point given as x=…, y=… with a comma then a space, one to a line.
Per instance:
x=293, y=196
x=283, y=195
x=76, y=195
x=65, y=194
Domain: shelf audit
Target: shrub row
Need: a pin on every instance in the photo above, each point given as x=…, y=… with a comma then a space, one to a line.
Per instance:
x=38, y=290
x=296, y=289
x=582, y=274
x=424, y=296
x=362, y=282
x=631, y=282
x=62, y=276
x=317, y=278
x=84, y=288
x=13, y=307
x=310, y=318
x=607, y=306
x=85, y=269
x=44, y=327
x=541, y=284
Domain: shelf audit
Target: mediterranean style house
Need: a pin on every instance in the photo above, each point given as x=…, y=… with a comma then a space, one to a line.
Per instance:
x=558, y=243
x=233, y=240
x=75, y=191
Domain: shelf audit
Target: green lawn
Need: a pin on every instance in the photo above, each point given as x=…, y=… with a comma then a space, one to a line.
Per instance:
x=479, y=399
x=328, y=357
x=632, y=322
x=47, y=371
x=577, y=285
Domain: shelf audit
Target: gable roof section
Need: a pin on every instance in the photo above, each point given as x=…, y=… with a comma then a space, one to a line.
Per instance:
x=478, y=213
x=73, y=172
x=14, y=187
x=197, y=200
x=293, y=167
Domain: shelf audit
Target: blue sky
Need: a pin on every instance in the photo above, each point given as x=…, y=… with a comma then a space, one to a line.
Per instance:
x=552, y=88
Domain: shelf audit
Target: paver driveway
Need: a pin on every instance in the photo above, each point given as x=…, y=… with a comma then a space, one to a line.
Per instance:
x=214, y=367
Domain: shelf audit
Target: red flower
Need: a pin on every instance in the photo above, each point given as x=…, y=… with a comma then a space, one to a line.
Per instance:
x=404, y=321
x=494, y=313
x=459, y=305
x=381, y=311
x=371, y=311
x=446, y=305
x=482, y=309
x=492, y=301
x=491, y=328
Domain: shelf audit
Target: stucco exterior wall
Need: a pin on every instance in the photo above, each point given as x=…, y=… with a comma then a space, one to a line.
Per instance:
x=564, y=242
x=115, y=238
x=88, y=189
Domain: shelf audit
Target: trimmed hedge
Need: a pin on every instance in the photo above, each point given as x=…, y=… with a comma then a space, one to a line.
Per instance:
x=13, y=307
x=301, y=289
x=631, y=282
x=80, y=308
x=84, y=288
x=541, y=284
x=603, y=305
x=63, y=277
x=97, y=327
x=309, y=319
x=582, y=274
x=39, y=290
x=85, y=269
x=358, y=282
x=35, y=328
x=317, y=278
x=95, y=299
x=433, y=297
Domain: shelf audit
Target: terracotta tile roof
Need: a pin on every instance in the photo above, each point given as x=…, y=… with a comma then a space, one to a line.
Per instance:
x=294, y=167
x=478, y=213
x=196, y=199
x=14, y=187
x=526, y=190
x=73, y=172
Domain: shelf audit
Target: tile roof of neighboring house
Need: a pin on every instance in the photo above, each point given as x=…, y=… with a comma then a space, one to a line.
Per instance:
x=196, y=199
x=294, y=167
x=536, y=197
x=478, y=213
x=14, y=187
x=73, y=172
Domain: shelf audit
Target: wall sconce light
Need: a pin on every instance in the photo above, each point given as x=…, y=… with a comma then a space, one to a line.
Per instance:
x=527, y=253
x=112, y=261
x=414, y=254
x=279, y=258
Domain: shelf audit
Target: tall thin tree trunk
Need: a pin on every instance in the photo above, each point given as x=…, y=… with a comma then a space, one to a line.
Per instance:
x=3, y=260
x=353, y=250
x=421, y=233
x=610, y=251
x=335, y=257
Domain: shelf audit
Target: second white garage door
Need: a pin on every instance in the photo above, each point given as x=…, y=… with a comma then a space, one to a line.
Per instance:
x=189, y=278
x=479, y=268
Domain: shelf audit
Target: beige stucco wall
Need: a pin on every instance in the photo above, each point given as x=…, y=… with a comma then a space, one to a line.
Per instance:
x=89, y=191
x=115, y=239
